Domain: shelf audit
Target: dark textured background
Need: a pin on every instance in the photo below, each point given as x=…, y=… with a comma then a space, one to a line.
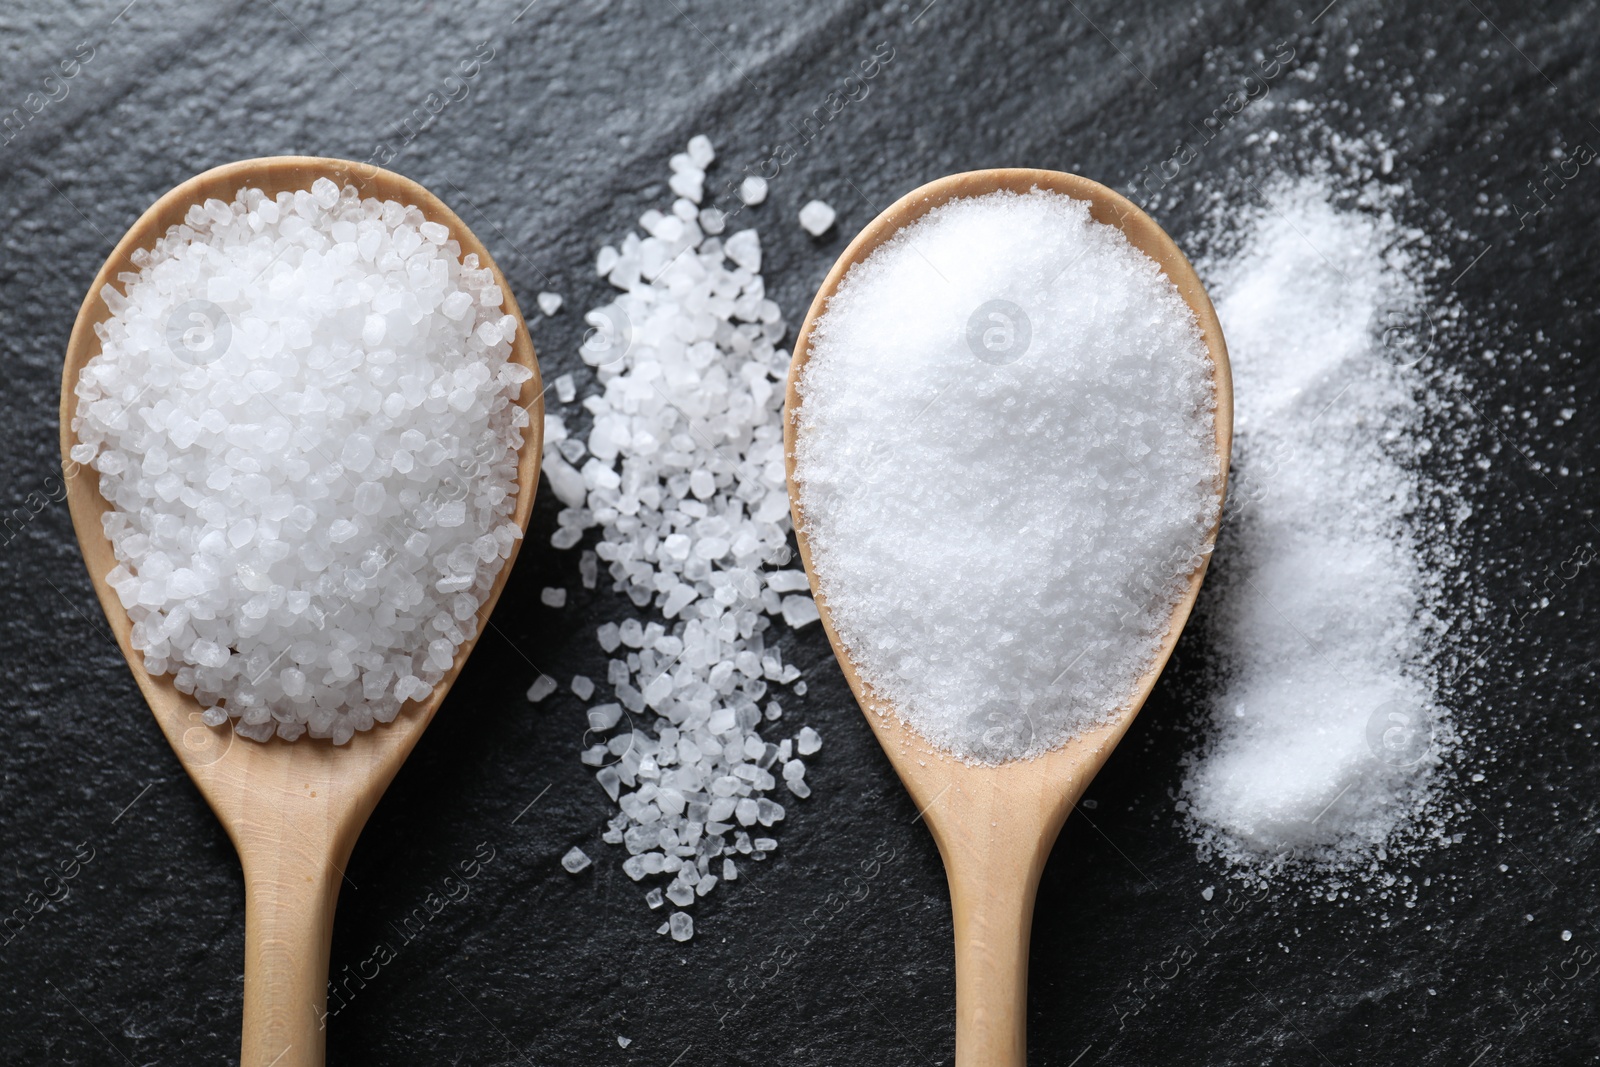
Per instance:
x=562, y=142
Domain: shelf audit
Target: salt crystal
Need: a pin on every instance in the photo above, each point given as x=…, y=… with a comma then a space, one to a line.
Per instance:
x=682, y=926
x=549, y=303
x=753, y=190
x=583, y=686
x=575, y=860
x=816, y=217
x=553, y=598
x=799, y=611
x=700, y=151
x=809, y=742
x=542, y=687
x=566, y=389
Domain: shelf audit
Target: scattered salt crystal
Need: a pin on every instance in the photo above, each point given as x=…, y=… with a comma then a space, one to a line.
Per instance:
x=816, y=217
x=542, y=687
x=575, y=860
x=799, y=611
x=566, y=389
x=1083, y=429
x=682, y=926
x=583, y=686
x=653, y=898
x=549, y=303
x=553, y=598
x=685, y=484
x=809, y=742
x=753, y=190
x=1206, y=893
x=700, y=152
x=275, y=351
x=624, y=1042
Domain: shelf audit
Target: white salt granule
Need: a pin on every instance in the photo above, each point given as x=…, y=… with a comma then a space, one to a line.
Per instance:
x=303, y=415
x=575, y=860
x=753, y=190
x=1007, y=467
x=684, y=477
x=566, y=389
x=549, y=303
x=553, y=598
x=1327, y=734
x=542, y=687
x=583, y=686
x=816, y=217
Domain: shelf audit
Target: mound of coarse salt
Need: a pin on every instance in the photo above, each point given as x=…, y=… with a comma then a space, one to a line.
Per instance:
x=1326, y=609
x=303, y=416
x=1007, y=469
x=682, y=471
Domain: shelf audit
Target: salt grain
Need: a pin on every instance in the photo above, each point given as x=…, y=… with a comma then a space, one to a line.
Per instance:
x=549, y=303
x=753, y=190
x=575, y=860
x=1014, y=347
x=553, y=598
x=816, y=217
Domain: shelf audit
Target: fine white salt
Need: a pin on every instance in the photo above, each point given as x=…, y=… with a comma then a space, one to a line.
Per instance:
x=303, y=416
x=1007, y=466
x=816, y=217
x=1327, y=607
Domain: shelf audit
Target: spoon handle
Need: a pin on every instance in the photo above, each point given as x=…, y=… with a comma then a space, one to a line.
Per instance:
x=991, y=899
x=288, y=931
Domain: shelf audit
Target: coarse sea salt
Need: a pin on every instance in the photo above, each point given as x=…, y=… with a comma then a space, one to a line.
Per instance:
x=1329, y=741
x=304, y=419
x=682, y=471
x=1007, y=468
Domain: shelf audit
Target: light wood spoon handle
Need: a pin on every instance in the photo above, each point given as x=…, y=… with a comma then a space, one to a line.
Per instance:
x=992, y=909
x=288, y=931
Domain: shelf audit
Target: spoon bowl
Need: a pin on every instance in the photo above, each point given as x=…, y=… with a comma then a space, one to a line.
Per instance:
x=995, y=824
x=292, y=809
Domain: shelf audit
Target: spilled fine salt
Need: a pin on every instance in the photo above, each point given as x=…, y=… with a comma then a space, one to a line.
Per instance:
x=1328, y=741
x=1007, y=467
x=304, y=419
x=682, y=472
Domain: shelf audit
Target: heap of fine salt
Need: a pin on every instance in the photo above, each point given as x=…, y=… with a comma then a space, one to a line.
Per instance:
x=304, y=419
x=1007, y=468
x=1328, y=735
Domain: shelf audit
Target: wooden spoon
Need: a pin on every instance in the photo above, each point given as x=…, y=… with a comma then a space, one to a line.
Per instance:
x=995, y=825
x=293, y=809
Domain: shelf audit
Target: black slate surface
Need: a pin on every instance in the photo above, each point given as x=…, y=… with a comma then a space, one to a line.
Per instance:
x=560, y=143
